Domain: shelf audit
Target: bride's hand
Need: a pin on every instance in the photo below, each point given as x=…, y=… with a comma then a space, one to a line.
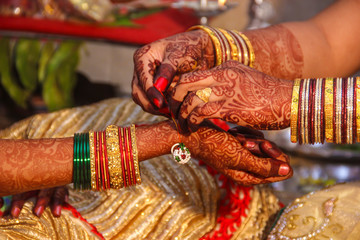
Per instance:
x=157, y=63
x=53, y=197
x=244, y=155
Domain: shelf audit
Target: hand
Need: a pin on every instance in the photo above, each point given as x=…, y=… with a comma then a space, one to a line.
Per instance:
x=53, y=197
x=244, y=155
x=157, y=63
x=240, y=95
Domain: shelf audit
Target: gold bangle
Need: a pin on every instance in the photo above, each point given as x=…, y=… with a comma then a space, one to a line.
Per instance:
x=230, y=40
x=329, y=109
x=92, y=161
x=135, y=154
x=225, y=46
x=294, y=111
x=338, y=110
x=358, y=109
x=250, y=50
x=214, y=40
x=113, y=153
x=243, y=48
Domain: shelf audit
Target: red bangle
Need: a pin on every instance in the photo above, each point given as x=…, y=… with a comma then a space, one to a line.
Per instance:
x=322, y=114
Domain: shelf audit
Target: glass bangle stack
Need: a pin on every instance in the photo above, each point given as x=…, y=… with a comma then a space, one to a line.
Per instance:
x=106, y=159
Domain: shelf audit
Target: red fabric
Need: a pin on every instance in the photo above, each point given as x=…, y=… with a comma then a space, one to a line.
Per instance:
x=152, y=27
x=76, y=214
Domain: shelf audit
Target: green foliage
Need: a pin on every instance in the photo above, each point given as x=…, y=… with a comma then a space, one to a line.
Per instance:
x=50, y=65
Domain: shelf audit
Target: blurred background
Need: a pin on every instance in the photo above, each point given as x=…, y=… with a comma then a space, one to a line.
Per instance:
x=58, y=54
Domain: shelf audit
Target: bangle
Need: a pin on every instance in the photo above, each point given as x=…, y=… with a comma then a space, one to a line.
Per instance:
x=113, y=152
x=92, y=161
x=135, y=154
x=328, y=113
x=214, y=39
x=233, y=47
x=294, y=111
x=250, y=50
x=357, y=109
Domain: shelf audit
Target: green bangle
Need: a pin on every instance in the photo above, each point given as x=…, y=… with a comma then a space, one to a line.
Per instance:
x=87, y=152
x=76, y=163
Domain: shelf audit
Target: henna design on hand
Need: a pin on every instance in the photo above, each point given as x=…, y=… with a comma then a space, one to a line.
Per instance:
x=240, y=95
x=189, y=51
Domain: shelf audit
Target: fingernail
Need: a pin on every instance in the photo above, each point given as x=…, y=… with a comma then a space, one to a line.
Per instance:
x=250, y=144
x=57, y=211
x=161, y=83
x=156, y=102
x=284, y=169
x=267, y=145
x=15, y=212
x=39, y=210
x=164, y=110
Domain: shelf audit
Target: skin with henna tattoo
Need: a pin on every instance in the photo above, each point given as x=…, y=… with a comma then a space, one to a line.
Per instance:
x=240, y=95
x=163, y=60
x=277, y=52
x=43, y=163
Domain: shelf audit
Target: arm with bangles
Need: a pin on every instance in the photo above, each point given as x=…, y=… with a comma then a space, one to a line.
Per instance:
x=44, y=163
x=325, y=45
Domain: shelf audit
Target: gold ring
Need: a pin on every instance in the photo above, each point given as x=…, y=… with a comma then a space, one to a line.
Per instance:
x=204, y=94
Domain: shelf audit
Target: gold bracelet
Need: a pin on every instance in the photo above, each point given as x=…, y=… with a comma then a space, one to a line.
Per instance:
x=329, y=109
x=337, y=112
x=357, y=109
x=214, y=39
x=294, y=111
x=225, y=46
x=92, y=161
x=114, y=160
x=234, y=49
x=243, y=48
x=135, y=154
x=250, y=50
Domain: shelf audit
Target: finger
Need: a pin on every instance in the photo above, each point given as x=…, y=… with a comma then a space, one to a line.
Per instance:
x=146, y=62
x=140, y=98
x=162, y=80
x=248, y=179
x=191, y=101
x=189, y=82
x=202, y=112
x=272, y=150
x=261, y=167
x=245, y=130
x=254, y=147
x=58, y=199
x=43, y=200
x=244, y=178
x=18, y=202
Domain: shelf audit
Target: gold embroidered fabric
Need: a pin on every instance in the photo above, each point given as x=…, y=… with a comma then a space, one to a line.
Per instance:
x=28, y=226
x=173, y=202
x=331, y=213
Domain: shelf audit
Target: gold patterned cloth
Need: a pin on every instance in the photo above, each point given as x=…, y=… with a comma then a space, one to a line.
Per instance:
x=174, y=201
x=331, y=213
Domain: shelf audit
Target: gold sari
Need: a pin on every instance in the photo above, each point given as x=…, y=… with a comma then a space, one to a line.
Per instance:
x=173, y=202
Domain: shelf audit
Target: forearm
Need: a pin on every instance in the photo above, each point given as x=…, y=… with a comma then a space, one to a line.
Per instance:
x=323, y=46
x=33, y=164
